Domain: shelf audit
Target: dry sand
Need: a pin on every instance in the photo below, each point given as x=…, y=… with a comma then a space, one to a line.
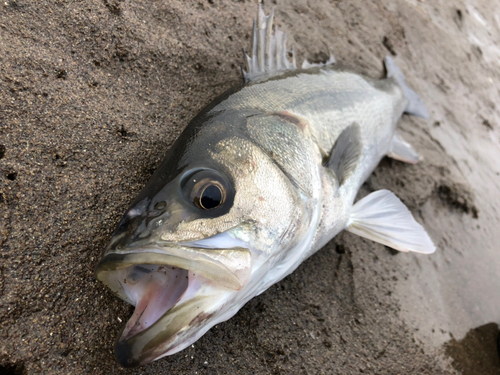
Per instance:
x=92, y=94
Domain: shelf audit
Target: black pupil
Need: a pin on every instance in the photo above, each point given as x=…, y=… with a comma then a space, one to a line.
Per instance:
x=211, y=197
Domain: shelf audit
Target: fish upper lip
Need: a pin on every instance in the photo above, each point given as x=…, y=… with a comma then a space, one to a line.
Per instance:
x=230, y=268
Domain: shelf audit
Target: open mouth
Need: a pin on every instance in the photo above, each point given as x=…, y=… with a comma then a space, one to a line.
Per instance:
x=174, y=289
x=153, y=289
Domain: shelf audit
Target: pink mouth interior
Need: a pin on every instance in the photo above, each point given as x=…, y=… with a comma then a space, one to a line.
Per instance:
x=154, y=290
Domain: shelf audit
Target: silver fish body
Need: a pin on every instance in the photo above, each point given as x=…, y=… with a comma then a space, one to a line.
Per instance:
x=319, y=104
x=258, y=181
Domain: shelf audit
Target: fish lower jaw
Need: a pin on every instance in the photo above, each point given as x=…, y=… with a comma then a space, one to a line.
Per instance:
x=178, y=292
x=154, y=290
x=171, y=304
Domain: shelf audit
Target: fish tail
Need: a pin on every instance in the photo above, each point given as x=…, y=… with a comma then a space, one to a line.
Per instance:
x=415, y=106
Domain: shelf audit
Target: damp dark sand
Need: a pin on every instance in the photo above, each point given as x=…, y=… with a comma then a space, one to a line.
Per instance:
x=92, y=94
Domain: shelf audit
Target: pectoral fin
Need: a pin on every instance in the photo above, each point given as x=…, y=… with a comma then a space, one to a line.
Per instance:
x=403, y=151
x=346, y=152
x=383, y=218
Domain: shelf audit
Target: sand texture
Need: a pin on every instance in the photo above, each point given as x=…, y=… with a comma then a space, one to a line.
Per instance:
x=93, y=93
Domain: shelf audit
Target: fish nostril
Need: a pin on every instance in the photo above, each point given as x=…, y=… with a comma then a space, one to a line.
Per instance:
x=158, y=210
x=160, y=205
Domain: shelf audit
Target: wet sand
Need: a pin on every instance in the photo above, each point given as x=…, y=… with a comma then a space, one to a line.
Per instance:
x=93, y=93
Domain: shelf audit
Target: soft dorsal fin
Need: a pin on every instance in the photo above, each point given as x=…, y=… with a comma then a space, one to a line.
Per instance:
x=403, y=151
x=383, y=218
x=346, y=152
x=306, y=64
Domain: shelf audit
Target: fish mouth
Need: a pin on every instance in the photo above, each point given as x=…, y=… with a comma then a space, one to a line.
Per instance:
x=175, y=291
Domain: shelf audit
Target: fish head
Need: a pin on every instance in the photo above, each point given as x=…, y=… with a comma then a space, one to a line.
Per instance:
x=197, y=242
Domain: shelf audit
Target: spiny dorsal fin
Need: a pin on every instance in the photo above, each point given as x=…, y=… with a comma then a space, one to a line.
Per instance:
x=269, y=52
x=346, y=152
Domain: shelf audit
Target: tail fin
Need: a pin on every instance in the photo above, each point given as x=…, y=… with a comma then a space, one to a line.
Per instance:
x=415, y=106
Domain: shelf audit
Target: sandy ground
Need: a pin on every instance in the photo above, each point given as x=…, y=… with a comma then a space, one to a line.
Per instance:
x=92, y=94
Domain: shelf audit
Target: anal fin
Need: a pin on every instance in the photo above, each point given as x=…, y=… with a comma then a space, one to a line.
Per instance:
x=383, y=218
x=346, y=152
x=403, y=151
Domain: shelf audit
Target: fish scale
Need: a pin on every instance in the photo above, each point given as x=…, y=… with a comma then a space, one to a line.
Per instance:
x=280, y=160
x=329, y=99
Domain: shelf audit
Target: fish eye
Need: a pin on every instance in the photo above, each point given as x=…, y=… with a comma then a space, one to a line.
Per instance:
x=209, y=197
x=206, y=189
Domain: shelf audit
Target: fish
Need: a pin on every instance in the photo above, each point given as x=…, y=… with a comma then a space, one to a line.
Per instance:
x=259, y=180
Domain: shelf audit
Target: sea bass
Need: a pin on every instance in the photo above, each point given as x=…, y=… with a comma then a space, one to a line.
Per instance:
x=261, y=179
